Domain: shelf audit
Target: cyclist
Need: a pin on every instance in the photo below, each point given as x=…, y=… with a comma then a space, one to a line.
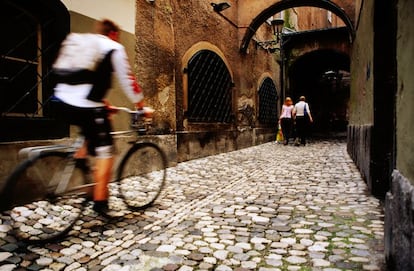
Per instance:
x=79, y=100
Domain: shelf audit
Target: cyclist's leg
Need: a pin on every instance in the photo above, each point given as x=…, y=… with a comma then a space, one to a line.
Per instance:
x=82, y=152
x=100, y=144
x=96, y=127
x=102, y=174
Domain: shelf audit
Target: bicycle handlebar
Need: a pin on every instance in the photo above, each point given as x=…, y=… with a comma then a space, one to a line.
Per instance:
x=140, y=119
x=144, y=111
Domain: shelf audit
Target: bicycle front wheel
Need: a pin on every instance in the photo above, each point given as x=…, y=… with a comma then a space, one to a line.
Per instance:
x=37, y=209
x=141, y=175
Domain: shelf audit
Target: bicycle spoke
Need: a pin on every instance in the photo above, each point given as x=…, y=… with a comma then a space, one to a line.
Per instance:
x=142, y=175
x=45, y=220
x=138, y=190
x=37, y=212
x=40, y=171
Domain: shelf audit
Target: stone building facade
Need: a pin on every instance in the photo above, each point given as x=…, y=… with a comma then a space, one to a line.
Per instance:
x=163, y=40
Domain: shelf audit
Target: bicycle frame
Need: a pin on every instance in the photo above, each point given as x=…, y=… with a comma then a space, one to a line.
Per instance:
x=62, y=181
x=27, y=153
x=53, y=179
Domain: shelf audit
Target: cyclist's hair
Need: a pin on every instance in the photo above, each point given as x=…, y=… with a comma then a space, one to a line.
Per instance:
x=107, y=26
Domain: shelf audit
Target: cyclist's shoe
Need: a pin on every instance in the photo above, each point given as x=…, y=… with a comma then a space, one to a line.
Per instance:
x=102, y=208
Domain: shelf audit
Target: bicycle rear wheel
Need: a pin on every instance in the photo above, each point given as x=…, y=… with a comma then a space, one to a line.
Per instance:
x=38, y=211
x=141, y=175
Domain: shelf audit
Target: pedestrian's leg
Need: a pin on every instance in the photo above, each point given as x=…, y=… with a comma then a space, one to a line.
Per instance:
x=289, y=130
x=303, y=140
x=299, y=127
x=305, y=131
x=284, y=127
x=303, y=136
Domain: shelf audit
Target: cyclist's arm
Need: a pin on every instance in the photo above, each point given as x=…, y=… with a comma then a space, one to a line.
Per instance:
x=125, y=77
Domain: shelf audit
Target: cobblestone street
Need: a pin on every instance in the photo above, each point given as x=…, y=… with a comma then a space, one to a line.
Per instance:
x=268, y=207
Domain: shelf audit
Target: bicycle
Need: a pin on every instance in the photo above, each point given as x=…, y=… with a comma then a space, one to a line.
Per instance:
x=47, y=192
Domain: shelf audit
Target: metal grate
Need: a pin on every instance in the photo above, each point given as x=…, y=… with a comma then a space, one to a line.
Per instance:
x=23, y=66
x=268, y=102
x=209, y=89
x=32, y=32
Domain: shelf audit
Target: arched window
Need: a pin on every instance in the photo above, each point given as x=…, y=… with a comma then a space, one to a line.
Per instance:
x=209, y=89
x=268, y=102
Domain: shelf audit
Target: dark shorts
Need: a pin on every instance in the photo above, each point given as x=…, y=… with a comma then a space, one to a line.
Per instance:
x=93, y=122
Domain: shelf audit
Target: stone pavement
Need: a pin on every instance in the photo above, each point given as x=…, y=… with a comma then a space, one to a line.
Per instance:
x=268, y=207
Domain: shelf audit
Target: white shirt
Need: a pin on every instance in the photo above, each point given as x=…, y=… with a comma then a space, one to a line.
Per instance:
x=76, y=95
x=300, y=108
x=286, y=111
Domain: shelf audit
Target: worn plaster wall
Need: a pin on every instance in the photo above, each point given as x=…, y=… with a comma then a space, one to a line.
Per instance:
x=405, y=97
x=361, y=99
x=313, y=18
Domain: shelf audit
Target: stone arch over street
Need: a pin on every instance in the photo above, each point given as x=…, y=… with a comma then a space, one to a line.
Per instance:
x=261, y=18
x=320, y=72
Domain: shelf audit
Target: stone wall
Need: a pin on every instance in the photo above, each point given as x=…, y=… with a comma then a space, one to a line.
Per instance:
x=358, y=147
x=9, y=153
x=399, y=211
x=399, y=224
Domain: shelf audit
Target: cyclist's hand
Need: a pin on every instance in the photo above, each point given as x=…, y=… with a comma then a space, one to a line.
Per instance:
x=139, y=105
x=148, y=111
x=111, y=109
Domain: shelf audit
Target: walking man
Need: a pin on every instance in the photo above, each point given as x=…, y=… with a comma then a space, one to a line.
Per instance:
x=303, y=117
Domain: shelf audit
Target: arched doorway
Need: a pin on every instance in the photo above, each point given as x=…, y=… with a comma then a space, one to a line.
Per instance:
x=268, y=99
x=323, y=77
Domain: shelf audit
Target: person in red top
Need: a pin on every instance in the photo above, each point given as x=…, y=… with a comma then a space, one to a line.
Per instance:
x=79, y=97
x=286, y=120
